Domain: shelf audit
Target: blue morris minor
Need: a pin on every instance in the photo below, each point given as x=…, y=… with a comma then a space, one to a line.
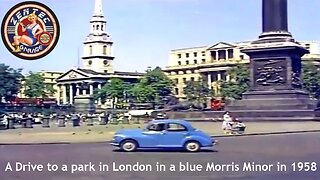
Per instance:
x=163, y=134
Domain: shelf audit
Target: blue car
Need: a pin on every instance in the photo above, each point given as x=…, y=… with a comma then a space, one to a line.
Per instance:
x=163, y=134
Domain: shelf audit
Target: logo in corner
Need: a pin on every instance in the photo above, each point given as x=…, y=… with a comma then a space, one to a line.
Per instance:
x=30, y=30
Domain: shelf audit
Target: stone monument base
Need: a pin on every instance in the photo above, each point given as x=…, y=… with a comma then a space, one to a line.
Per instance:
x=84, y=104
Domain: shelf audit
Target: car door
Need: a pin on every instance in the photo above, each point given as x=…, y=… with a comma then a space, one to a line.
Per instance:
x=173, y=135
x=152, y=135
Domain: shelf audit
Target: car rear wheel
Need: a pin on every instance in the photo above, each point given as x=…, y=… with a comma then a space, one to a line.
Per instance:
x=129, y=145
x=192, y=146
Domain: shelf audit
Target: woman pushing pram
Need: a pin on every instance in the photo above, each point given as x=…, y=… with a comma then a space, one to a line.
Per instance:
x=232, y=125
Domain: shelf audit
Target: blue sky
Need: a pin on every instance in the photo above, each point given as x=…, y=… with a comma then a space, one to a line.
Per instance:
x=144, y=31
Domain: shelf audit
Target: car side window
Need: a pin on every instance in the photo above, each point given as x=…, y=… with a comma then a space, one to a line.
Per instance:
x=156, y=127
x=176, y=127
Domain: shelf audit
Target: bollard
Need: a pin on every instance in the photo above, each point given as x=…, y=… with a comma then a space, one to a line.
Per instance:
x=29, y=123
x=104, y=120
x=11, y=122
x=89, y=120
x=75, y=120
x=125, y=120
x=46, y=122
x=136, y=120
x=61, y=121
x=114, y=119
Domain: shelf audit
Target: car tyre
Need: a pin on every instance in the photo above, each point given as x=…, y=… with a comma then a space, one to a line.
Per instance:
x=129, y=145
x=192, y=146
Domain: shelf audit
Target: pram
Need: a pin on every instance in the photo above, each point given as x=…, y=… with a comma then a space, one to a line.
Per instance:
x=234, y=127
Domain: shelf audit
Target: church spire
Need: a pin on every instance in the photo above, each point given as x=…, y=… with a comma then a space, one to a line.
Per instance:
x=98, y=12
x=98, y=22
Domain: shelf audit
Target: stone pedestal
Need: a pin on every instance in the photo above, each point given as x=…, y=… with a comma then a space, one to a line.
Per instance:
x=275, y=91
x=84, y=104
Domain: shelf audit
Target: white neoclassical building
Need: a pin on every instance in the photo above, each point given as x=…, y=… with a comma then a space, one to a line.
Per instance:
x=97, y=62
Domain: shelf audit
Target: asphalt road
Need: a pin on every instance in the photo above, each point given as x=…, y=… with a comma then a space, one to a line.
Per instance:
x=227, y=161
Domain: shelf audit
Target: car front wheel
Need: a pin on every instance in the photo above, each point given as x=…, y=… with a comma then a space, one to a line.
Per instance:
x=128, y=145
x=192, y=146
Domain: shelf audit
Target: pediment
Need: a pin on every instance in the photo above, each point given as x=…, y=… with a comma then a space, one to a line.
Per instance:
x=72, y=74
x=221, y=45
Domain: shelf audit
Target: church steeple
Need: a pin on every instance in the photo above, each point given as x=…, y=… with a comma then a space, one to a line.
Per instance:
x=98, y=22
x=98, y=10
x=98, y=55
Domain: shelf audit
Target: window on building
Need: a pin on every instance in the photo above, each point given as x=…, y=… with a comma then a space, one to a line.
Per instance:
x=241, y=57
x=214, y=77
x=104, y=49
x=90, y=62
x=98, y=27
x=195, y=54
x=176, y=80
x=184, y=80
x=230, y=53
x=195, y=61
x=187, y=62
x=223, y=75
x=176, y=90
x=192, y=78
x=187, y=55
x=221, y=54
x=179, y=56
x=105, y=71
x=203, y=60
x=179, y=63
x=90, y=50
x=214, y=55
x=192, y=71
x=52, y=74
x=203, y=53
x=101, y=27
x=94, y=27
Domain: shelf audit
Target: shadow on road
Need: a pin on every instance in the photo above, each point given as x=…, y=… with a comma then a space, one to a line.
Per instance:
x=169, y=151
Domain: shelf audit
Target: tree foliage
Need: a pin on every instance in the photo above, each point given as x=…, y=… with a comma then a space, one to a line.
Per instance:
x=156, y=81
x=34, y=85
x=197, y=91
x=311, y=79
x=113, y=89
x=240, y=79
x=9, y=81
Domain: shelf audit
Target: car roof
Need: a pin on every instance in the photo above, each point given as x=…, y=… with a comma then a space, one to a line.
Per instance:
x=183, y=122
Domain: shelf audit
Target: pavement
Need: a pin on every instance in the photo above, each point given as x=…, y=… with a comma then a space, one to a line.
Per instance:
x=229, y=160
x=104, y=133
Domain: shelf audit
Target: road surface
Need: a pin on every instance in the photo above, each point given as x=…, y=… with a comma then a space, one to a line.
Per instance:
x=233, y=158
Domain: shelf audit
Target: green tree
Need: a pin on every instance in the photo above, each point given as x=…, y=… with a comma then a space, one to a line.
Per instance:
x=157, y=82
x=10, y=81
x=142, y=93
x=197, y=91
x=113, y=89
x=50, y=91
x=240, y=79
x=34, y=86
x=311, y=79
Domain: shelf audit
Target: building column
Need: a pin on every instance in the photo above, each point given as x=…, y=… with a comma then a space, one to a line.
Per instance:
x=91, y=89
x=218, y=76
x=58, y=94
x=78, y=90
x=71, y=93
x=228, y=77
x=64, y=92
x=209, y=80
x=99, y=100
x=227, y=55
x=217, y=55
